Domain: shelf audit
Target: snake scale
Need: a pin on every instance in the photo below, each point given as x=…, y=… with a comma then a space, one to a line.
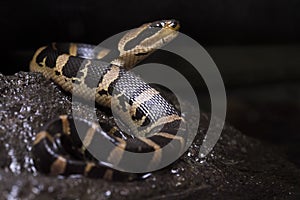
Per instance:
x=78, y=69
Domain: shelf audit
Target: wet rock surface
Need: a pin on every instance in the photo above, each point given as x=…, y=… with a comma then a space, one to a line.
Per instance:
x=239, y=167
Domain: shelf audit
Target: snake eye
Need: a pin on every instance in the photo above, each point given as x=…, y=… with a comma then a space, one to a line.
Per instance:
x=158, y=24
x=174, y=24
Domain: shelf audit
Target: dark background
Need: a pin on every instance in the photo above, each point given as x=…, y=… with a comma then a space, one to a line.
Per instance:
x=255, y=44
x=26, y=25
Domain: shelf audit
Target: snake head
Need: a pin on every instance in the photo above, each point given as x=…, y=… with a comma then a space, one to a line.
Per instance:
x=140, y=42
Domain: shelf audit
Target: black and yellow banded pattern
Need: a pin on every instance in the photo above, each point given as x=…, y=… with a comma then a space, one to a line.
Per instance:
x=153, y=121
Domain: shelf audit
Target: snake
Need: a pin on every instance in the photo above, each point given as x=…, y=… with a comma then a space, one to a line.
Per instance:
x=152, y=121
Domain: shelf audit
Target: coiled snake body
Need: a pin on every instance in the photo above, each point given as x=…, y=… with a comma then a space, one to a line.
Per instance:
x=58, y=150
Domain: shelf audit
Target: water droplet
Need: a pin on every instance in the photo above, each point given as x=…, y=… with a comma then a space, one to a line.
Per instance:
x=202, y=161
x=107, y=193
x=14, y=165
x=35, y=190
x=146, y=175
x=202, y=155
x=178, y=184
x=174, y=171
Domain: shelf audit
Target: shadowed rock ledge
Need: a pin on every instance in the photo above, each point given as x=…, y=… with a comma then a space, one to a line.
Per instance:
x=239, y=167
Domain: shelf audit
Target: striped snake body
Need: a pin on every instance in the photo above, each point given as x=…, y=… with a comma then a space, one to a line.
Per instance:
x=77, y=68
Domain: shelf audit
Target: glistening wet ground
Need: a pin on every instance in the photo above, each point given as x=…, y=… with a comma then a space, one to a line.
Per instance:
x=239, y=167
